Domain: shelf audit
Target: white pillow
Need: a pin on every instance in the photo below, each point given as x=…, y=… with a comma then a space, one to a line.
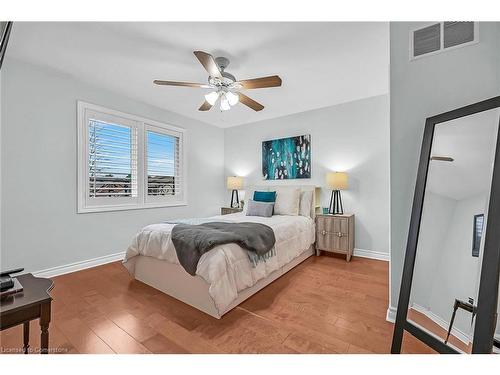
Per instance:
x=287, y=201
x=306, y=198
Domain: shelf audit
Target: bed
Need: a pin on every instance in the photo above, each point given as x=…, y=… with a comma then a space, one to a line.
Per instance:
x=225, y=277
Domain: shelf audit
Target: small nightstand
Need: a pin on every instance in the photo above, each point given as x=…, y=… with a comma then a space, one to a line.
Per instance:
x=229, y=210
x=335, y=233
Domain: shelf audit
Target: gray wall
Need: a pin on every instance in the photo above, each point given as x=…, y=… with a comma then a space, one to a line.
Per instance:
x=422, y=88
x=458, y=269
x=445, y=268
x=351, y=137
x=436, y=220
x=40, y=226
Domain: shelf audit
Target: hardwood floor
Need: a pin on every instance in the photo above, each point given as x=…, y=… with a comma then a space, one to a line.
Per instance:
x=425, y=322
x=324, y=305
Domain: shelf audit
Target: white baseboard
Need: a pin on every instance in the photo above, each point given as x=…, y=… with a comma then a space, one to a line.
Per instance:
x=371, y=254
x=84, y=264
x=78, y=266
x=391, y=314
x=462, y=336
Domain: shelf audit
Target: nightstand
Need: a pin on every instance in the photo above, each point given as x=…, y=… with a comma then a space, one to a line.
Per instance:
x=335, y=233
x=229, y=210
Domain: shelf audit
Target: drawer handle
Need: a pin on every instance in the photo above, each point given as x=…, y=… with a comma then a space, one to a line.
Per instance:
x=338, y=234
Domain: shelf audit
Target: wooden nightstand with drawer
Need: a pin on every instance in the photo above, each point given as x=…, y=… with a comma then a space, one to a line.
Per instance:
x=229, y=210
x=335, y=233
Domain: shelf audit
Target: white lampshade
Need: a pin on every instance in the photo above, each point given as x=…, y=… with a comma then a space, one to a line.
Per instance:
x=232, y=98
x=234, y=183
x=224, y=103
x=212, y=97
x=337, y=180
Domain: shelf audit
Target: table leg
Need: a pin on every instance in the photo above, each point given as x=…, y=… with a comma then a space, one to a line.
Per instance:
x=26, y=336
x=455, y=307
x=44, y=326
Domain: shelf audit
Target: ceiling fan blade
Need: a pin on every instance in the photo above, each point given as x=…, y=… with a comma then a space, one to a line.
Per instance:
x=185, y=84
x=205, y=106
x=250, y=102
x=442, y=158
x=208, y=62
x=260, y=83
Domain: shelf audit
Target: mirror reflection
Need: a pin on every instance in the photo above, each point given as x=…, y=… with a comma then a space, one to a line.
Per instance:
x=448, y=259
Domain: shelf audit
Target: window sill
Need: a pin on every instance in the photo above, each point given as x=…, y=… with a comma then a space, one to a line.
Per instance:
x=95, y=209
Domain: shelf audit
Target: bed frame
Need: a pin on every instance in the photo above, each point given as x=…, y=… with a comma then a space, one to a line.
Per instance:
x=173, y=280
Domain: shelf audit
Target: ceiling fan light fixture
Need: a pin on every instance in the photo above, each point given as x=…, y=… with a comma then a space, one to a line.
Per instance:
x=224, y=85
x=224, y=103
x=212, y=97
x=232, y=98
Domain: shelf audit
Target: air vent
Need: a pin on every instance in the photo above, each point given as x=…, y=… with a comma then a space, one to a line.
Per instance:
x=427, y=40
x=442, y=36
x=456, y=33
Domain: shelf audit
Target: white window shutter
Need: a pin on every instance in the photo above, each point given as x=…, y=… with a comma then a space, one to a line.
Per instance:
x=112, y=160
x=127, y=162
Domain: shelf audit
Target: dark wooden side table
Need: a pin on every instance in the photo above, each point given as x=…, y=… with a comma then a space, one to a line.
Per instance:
x=467, y=306
x=32, y=303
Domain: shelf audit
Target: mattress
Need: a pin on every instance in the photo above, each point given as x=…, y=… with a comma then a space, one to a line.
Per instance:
x=227, y=268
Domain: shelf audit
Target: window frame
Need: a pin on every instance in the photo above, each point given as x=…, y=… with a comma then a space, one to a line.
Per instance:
x=140, y=126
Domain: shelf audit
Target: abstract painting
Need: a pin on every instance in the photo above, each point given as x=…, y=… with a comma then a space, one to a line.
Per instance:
x=287, y=158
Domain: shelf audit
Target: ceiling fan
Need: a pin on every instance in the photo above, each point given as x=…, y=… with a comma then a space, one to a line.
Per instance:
x=224, y=85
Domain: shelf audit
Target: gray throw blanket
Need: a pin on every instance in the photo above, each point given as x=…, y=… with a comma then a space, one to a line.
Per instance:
x=192, y=241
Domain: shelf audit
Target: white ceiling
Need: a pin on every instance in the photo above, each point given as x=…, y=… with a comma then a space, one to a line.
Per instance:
x=471, y=142
x=321, y=64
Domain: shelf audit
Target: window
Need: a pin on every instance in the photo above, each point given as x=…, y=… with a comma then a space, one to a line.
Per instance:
x=477, y=234
x=127, y=162
x=112, y=166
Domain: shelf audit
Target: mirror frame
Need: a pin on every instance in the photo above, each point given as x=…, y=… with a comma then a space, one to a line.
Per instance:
x=488, y=286
x=4, y=39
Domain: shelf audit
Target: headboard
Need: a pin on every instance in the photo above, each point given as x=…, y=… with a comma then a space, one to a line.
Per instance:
x=315, y=203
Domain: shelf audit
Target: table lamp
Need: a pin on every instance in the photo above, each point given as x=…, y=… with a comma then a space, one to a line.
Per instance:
x=234, y=183
x=336, y=181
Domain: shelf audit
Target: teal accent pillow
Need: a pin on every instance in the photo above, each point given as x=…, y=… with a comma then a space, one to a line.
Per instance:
x=264, y=196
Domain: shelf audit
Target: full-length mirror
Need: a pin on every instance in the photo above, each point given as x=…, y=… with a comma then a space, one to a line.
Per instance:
x=444, y=260
x=447, y=265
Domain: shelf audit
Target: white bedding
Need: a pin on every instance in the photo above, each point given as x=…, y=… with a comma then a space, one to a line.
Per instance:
x=227, y=268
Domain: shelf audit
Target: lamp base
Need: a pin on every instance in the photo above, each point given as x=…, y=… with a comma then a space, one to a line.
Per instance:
x=233, y=193
x=336, y=207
